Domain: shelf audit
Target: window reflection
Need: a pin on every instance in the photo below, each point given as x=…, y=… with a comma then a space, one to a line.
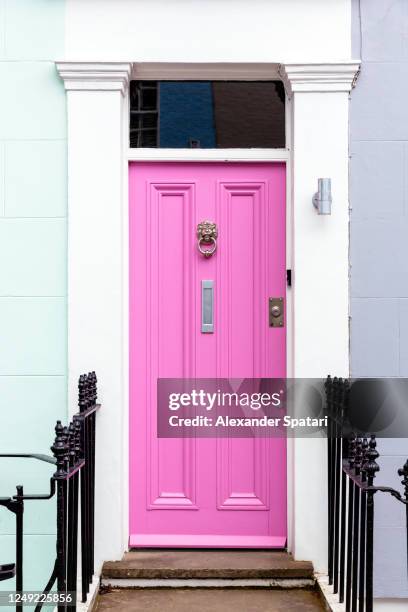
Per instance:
x=207, y=114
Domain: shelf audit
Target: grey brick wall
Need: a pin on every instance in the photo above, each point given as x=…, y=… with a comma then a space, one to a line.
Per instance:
x=379, y=243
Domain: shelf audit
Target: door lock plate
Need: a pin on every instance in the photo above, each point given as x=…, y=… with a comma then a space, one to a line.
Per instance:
x=276, y=312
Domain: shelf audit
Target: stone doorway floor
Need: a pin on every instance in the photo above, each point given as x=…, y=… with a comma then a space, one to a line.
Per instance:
x=214, y=600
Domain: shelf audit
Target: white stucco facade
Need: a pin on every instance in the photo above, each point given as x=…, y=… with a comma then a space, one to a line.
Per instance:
x=208, y=30
x=307, y=44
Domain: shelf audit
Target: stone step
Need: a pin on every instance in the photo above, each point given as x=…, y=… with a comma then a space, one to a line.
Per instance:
x=216, y=600
x=208, y=568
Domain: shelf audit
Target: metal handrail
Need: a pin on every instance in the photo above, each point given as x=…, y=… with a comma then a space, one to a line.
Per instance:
x=73, y=482
x=352, y=468
x=38, y=456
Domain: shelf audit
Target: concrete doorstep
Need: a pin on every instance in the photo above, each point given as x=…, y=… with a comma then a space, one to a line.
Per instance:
x=201, y=580
x=165, y=564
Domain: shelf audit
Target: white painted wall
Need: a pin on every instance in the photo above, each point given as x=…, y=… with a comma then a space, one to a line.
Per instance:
x=319, y=120
x=98, y=280
x=208, y=30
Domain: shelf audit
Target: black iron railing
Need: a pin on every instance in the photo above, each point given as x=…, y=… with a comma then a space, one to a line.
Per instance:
x=74, y=485
x=352, y=467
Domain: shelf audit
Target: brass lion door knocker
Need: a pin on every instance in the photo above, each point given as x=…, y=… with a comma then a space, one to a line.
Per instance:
x=207, y=233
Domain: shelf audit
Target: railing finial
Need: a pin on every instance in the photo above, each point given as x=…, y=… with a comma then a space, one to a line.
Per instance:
x=78, y=447
x=82, y=393
x=94, y=381
x=372, y=466
x=352, y=449
x=71, y=442
x=358, y=461
x=364, y=458
x=59, y=449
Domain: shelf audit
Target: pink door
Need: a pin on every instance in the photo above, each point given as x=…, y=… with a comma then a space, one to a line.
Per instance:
x=195, y=491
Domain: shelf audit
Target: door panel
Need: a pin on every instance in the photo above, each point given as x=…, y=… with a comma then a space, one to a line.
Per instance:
x=203, y=492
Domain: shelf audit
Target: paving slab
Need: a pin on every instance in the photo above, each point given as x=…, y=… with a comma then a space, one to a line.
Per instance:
x=216, y=600
x=240, y=564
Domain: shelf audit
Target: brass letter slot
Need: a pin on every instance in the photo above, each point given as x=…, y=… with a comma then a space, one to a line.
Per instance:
x=276, y=312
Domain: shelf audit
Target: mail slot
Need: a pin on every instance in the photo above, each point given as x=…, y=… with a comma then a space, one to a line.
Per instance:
x=207, y=306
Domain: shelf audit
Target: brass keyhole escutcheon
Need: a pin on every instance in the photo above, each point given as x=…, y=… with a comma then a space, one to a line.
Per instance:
x=276, y=312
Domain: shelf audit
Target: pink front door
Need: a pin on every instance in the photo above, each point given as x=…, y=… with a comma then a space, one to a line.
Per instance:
x=196, y=491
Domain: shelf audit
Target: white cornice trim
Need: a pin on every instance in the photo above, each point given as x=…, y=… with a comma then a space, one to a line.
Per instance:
x=330, y=77
x=115, y=76
x=95, y=76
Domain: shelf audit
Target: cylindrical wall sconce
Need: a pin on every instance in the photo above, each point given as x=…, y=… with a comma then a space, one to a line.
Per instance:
x=322, y=200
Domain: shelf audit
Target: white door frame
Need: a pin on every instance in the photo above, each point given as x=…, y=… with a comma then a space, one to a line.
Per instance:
x=98, y=156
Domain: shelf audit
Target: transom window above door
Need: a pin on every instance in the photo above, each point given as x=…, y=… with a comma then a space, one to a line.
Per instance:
x=207, y=114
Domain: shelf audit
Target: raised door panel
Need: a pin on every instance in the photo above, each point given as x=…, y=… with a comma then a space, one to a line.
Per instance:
x=243, y=266
x=170, y=345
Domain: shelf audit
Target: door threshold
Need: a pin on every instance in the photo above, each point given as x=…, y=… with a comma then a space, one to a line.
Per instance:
x=205, y=541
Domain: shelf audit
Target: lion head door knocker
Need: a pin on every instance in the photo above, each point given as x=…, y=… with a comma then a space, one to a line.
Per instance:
x=207, y=233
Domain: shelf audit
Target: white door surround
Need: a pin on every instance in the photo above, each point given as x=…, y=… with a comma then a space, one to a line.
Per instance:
x=317, y=119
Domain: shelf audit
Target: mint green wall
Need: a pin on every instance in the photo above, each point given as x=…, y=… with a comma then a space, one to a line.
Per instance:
x=32, y=265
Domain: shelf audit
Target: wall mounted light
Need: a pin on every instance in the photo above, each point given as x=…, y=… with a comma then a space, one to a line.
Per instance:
x=322, y=200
